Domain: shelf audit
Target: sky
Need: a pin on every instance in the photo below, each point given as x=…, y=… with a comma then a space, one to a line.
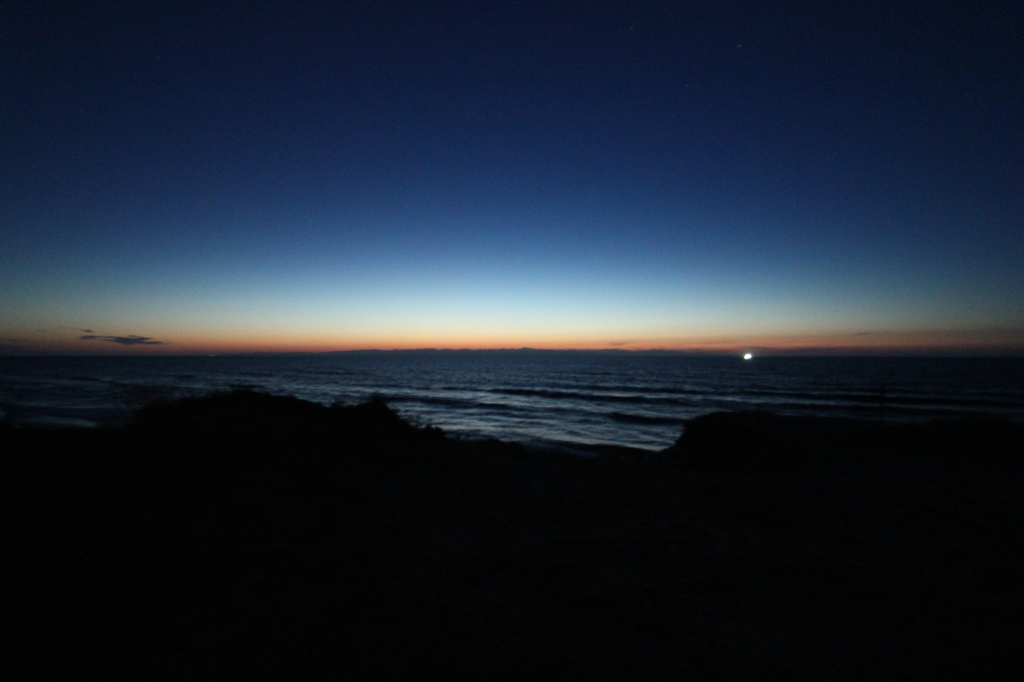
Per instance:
x=202, y=177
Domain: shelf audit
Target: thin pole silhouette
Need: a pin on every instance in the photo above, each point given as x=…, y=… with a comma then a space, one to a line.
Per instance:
x=881, y=404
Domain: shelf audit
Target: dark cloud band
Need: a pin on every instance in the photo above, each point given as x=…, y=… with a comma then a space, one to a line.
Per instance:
x=123, y=340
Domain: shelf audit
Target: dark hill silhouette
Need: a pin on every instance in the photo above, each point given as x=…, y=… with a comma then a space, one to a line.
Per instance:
x=248, y=535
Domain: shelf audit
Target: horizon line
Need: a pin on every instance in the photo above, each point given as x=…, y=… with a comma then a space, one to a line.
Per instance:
x=757, y=351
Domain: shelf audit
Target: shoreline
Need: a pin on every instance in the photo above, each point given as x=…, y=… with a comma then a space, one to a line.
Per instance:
x=562, y=402
x=246, y=534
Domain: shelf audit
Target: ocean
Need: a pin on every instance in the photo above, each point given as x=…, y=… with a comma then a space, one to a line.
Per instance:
x=535, y=397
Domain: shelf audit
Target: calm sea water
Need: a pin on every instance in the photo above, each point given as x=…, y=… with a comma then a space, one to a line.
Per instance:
x=637, y=400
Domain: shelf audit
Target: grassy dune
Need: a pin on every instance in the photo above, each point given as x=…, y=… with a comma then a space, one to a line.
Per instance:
x=250, y=535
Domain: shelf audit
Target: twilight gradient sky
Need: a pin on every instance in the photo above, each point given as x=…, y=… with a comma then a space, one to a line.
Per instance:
x=314, y=176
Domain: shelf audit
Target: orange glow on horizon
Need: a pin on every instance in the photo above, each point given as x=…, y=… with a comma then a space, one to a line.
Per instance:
x=959, y=342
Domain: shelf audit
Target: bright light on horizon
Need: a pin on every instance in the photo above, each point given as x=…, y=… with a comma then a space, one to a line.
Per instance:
x=748, y=356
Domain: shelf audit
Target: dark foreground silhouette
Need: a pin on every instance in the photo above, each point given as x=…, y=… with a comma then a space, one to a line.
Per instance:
x=245, y=535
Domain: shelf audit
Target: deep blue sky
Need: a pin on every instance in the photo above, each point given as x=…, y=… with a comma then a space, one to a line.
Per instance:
x=307, y=176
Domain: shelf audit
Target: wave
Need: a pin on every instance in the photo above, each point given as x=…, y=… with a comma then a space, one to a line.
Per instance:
x=802, y=401
x=626, y=388
x=873, y=398
x=462, y=403
x=643, y=419
x=591, y=397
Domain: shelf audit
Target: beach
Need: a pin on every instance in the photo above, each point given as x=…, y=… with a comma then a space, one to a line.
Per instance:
x=251, y=535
